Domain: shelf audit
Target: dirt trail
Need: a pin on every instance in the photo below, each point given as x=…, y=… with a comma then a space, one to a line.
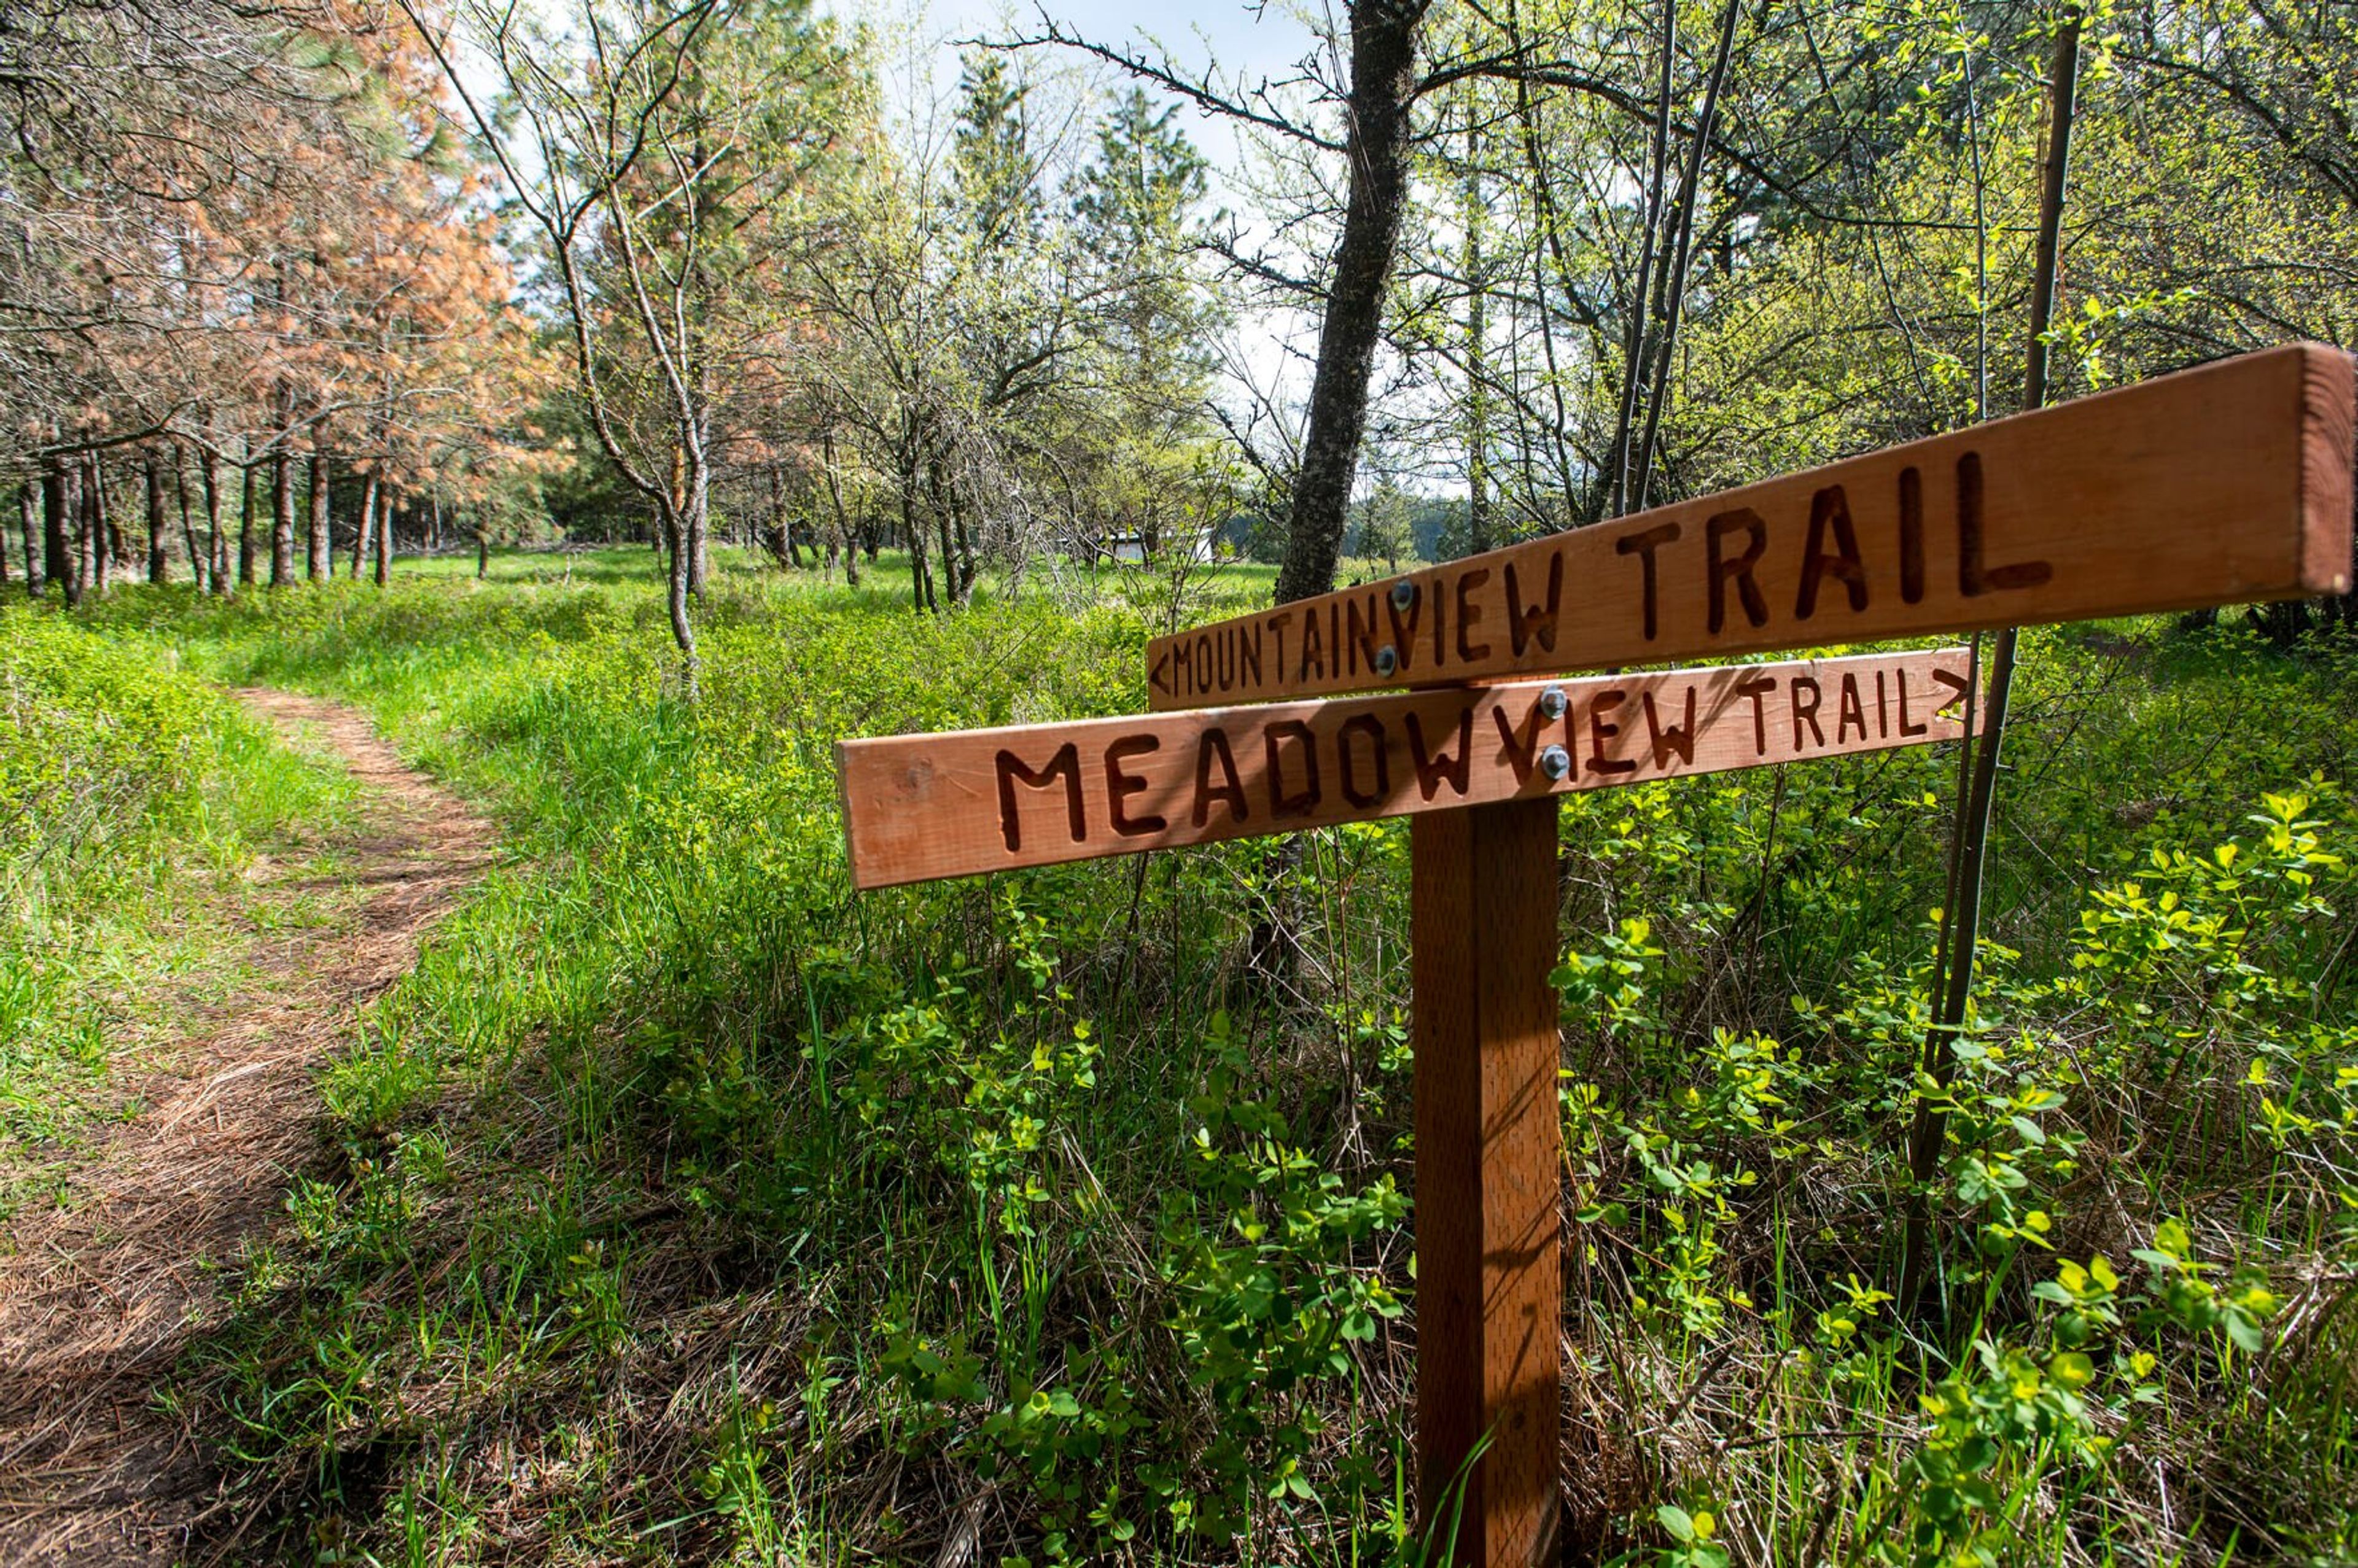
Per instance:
x=99, y=1293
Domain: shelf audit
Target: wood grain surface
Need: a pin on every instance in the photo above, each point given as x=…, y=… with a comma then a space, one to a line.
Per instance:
x=1489, y=1292
x=920, y=806
x=2221, y=485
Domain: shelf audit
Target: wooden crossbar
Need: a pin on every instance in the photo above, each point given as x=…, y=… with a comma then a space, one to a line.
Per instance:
x=2223, y=485
x=917, y=808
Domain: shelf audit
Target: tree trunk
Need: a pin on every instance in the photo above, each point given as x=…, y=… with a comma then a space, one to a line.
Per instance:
x=1952, y=968
x=28, y=512
x=1658, y=181
x=58, y=563
x=364, y=526
x=778, y=538
x=77, y=546
x=946, y=567
x=3, y=543
x=1383, y=69
x=94, y=524
x=197, y=572
x=678, y=569
x=216, y=541
x=482, y=554
x=158, y=569
x=245, y=523
x=320, y=549
x=921, y=582
x=78, y=534
x=968, y=568
x=118, y=560
x=2283, y=622
x=385, y=536
x=843, y=535
x=1690, y=196
x=1477, y=388
x=282, y=514
x=689, y=521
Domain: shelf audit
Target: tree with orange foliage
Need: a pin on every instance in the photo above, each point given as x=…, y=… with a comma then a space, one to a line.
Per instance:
x=255, y=244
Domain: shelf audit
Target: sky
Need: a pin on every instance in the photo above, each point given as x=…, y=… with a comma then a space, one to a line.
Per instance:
x=1238, y=39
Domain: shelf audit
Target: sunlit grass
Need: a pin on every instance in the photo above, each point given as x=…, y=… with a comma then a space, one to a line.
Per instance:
x=691, y=1204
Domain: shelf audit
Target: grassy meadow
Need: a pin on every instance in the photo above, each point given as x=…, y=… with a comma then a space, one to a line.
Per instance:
x=683, y=1207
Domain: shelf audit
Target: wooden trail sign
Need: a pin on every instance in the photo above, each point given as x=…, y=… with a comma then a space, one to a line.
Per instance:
x=2222, y=485
x=917, y=808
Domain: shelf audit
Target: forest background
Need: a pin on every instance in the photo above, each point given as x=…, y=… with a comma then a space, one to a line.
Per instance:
x=682, y=1207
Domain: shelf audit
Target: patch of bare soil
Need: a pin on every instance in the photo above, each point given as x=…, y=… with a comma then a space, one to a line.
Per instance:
x=99, y=1292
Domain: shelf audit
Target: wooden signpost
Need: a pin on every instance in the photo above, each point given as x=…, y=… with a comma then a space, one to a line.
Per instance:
x=2221, y=485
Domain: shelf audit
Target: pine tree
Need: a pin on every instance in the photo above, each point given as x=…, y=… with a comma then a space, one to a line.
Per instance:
x=1138, y=207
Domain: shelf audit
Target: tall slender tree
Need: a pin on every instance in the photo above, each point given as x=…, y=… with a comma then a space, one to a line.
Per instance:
x=1384, y=36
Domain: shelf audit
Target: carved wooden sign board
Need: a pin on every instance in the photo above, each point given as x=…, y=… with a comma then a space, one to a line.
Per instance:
x=923, y=806
x=2223, y=485
x=2227, y=484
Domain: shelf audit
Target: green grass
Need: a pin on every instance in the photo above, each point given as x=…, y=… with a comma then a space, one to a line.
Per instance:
x=134, y=795
x=694, y=1209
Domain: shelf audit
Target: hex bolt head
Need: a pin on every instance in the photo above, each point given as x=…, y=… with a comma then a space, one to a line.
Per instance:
x=1387, y=659
x=1555, y=761
x=1403, y=594
x=1553, y=704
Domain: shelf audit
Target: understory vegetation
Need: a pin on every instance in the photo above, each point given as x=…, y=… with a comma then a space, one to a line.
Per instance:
x=684, y=1207
x=132, y=794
